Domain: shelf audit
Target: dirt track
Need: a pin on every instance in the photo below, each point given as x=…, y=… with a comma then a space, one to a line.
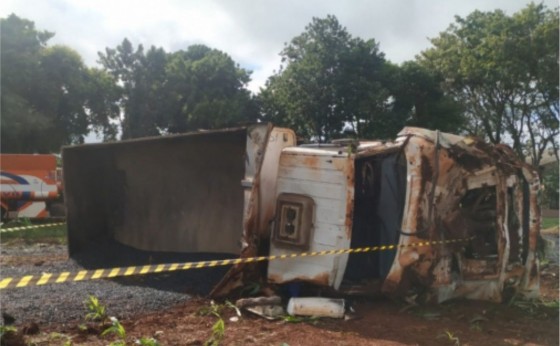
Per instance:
x=158, y=305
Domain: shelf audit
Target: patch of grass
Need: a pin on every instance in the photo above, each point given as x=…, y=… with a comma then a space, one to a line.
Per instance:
x=450, y=337
x=548, y=222
x=219, y=327
x=301, y=319
x=51, y=235
x=60, y=337
x=147, y=342
x=115, y=328
x=536, y=307
x=218, y=333
x=7, y=329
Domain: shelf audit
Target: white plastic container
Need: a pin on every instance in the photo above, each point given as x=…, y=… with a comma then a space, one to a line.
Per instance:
x=313, y=306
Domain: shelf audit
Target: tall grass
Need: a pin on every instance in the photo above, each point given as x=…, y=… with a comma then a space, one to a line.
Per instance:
x=51, y=235
x=548, y=222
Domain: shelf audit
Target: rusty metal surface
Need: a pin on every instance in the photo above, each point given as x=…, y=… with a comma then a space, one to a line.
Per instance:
x=457, y=187
x=260, y=200
x=179, y=193
x=446, y=174
x=326, y=176
x=175, y=193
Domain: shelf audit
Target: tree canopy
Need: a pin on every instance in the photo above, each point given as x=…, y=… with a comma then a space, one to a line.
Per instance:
x=489, y=74
x=504, y=71
x=330, y=82
x=199, y=88
x=328, y=79
x=47, y=92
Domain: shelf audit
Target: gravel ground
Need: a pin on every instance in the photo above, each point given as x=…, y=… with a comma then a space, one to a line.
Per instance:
x=123, y=297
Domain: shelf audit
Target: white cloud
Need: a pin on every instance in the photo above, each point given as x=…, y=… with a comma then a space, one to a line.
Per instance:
x=252, y=32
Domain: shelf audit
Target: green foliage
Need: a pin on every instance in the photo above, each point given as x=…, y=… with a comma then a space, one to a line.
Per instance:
x=116, y=329
x=218, y=333
x=504, y=72
x=96, y=310
x=548, y=222
x=300, y=319
x=51, y=235
x=251, y=288
x=177, y=92
x=476, y=322
x=332, y=84
x=20, y=222
x=449, y=336
x=50, y=98
x=46, y=91
x=214, y=309
x=420, y=99
x=550, y=193
x=536, y=307
x=143, y=341
x=219, y=327
x=118, y=343
x=7, y=329
x=66, y=339
x=217, y=309
x=328, y=79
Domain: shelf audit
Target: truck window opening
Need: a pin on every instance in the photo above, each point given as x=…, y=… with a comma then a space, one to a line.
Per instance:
x=380, y=183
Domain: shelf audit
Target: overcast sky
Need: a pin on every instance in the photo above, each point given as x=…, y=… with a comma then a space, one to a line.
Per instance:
x=252, y=32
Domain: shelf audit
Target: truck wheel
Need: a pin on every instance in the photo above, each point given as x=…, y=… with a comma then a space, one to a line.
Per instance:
x=3, y=215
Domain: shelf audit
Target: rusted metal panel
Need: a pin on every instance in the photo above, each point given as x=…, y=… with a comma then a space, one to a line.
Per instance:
x=478, y=193
x=456, y=188
x=260, y=202
x=279, y=139
x=181, y=193
x=175, y=193
x=327, y=178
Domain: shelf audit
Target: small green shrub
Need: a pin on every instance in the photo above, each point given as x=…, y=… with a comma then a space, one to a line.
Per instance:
x=147, y=342
x=116, y=328
x=450, y=337
x=6, y=330
x=218, y=333
x=96, y=311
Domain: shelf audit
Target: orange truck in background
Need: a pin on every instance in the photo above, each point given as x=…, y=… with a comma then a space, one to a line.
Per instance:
x=30, y=186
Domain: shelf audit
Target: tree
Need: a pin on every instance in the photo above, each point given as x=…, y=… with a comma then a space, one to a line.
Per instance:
x=331, y=81
x=21, y=46
x=504, y=71
x=177, y=92
x=419, y=98
x=142, y=76
x=208, y=90
x=45, y=92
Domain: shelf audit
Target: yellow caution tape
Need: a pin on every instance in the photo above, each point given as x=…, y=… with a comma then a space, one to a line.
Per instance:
x=84, y=275
x=22, y=228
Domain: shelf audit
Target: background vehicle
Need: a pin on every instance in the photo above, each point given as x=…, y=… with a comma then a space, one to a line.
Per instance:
x=31, y=186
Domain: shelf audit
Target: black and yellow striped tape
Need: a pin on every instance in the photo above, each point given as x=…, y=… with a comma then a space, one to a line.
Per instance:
x=84, y=275
x=22, y=228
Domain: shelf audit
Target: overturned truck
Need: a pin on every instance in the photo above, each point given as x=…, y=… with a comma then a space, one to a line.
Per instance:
x=252, y=191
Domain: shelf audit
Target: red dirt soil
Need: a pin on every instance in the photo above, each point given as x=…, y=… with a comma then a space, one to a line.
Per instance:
x=375, y=322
